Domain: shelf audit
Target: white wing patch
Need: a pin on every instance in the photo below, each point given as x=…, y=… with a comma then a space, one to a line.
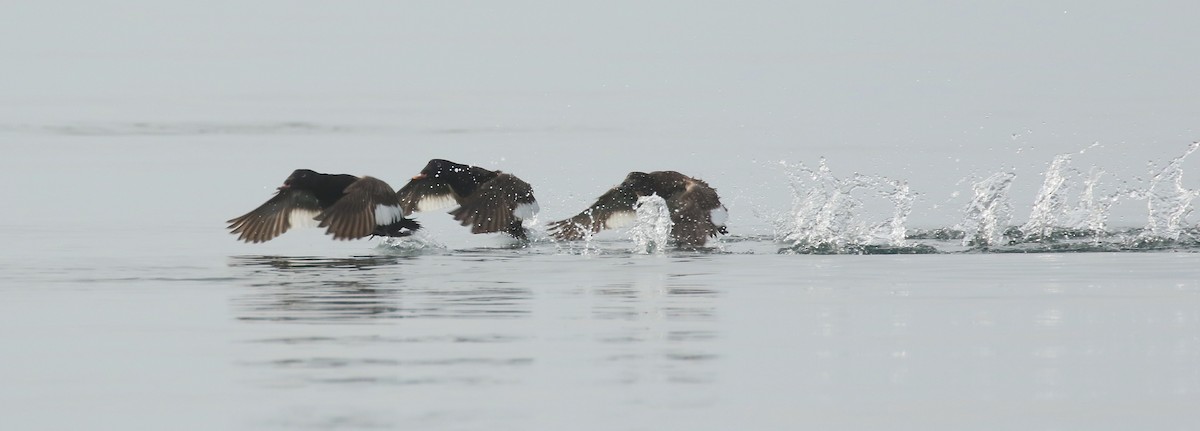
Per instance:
x=526, y=210
x=387, y=214
x=303, y=218
x=436, y=202
x=620, y=219
x=719, y=216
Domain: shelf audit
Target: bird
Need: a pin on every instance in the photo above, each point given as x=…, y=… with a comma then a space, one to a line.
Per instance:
x=348, y=207
x=488, y=201
x=696, y=211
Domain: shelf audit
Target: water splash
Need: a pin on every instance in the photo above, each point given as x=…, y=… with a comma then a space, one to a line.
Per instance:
x=823, y=209
x=903, y=198
x=1091, y=213
x=1050, y=206
x=652, y=229
x=826, y=214
x=1053, y=218
x=845, y=215
x=988, y=214
x=1168, y=202
x=418, y=242
x=1057, y=224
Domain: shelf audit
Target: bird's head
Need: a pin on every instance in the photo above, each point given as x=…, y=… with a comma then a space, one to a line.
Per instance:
x=299, y=178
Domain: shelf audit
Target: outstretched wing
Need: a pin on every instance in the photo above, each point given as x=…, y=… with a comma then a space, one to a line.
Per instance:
x=693, y=214
x=286, y=209
x=498, y=205
x=366, y=204
x=613, y=209
x=427, y=194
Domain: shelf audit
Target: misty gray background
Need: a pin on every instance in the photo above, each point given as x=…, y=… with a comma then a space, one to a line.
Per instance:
x=571, y=96
x=132, y=130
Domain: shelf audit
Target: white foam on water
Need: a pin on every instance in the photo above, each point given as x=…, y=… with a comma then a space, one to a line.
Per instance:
x=419, y=241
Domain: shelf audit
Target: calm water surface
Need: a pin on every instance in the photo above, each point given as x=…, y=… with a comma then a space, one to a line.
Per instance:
x=547, y=337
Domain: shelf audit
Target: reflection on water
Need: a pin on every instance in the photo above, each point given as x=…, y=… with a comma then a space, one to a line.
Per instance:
x=662, y=328
x=301, y=262
x=317, y=289
x=365, y=288
x=481, y=321
x=703, y=336
x=544, y=341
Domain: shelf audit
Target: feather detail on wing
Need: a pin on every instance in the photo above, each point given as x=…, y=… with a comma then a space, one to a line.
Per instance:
x=613, y=209
x=426, y=194
x=355, y=214
x=286, y=209
x=387, y=214
x=497, y=206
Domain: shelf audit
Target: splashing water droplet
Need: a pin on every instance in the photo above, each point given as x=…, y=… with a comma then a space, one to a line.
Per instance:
x=989, y=211
x=1167, y=200
x=1050, y=205
x=825, y=211
x=652, y=230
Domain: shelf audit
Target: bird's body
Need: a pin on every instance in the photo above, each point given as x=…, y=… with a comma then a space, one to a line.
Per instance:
x=695, y=208
x=348, y=207
x=488, y=201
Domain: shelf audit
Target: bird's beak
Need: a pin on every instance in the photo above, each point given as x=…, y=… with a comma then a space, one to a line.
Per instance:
x=418, y=177
x=285, y=186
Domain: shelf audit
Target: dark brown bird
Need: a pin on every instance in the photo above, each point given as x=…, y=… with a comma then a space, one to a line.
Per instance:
x=488, y=201
x=696, y=210
x=348, y=207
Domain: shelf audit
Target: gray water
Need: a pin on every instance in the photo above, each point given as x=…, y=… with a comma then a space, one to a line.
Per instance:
x=130, y=307
x=941, y=216
x=534, y=339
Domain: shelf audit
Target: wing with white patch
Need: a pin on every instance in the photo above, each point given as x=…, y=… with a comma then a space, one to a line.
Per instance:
x=427, y=194
x=366, y=204
x=498, y=205
x=387, y=214
x=612, y=210
x=620, y=219
x=288, y=208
